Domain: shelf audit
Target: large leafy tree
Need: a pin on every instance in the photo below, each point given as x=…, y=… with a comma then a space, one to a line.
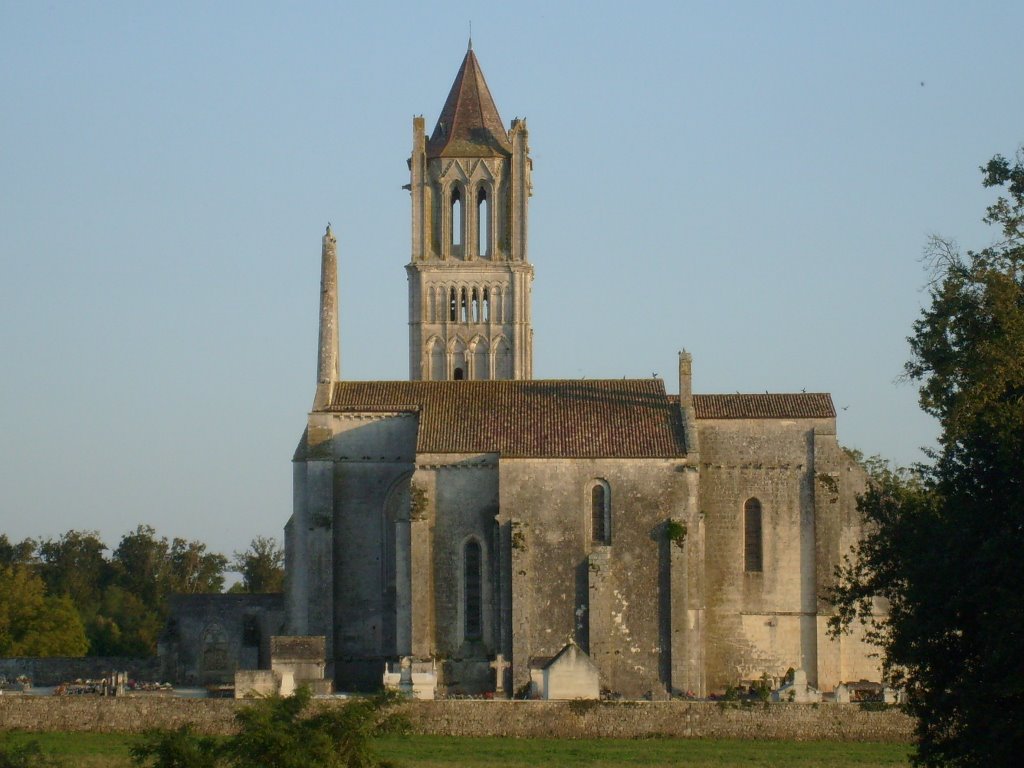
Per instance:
x=142, y=564
x=946, y=541
x=120, y=600
x=34, y=624
x=74, y=566
x=193, y=569
x=20, y=553
x=125, y=625
x=261, y=566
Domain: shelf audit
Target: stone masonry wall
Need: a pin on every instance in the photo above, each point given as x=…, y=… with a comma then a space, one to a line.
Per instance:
x=623, y=595
x=768, y=620
x=518, y=719
x=209, y=636
x=673, y=719
x=758, y=622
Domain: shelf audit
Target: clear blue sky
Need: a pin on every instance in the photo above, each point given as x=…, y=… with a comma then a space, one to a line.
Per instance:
x=751, y=181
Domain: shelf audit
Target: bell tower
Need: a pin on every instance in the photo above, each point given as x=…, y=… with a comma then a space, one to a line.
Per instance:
x=469, y=278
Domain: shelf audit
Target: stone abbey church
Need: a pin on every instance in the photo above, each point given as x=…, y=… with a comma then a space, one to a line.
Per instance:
x=479, y=520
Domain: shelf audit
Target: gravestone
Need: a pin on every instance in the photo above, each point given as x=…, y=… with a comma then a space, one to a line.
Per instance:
x=798, y=690
x=416, y=679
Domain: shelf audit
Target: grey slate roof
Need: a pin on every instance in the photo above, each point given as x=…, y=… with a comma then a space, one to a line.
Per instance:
x=626, y=418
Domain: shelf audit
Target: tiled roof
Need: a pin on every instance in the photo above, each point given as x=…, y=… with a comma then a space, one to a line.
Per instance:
x=628, y=418
x=806, y=405
x=469, y=125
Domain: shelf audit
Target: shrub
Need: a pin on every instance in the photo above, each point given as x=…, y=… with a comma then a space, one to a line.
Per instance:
x=26, y=756
x=178, y=748
x=280, y=732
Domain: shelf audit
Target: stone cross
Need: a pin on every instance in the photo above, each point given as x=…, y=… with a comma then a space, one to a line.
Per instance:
x=499, y=665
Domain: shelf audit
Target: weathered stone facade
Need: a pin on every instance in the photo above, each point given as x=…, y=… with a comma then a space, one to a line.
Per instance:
x=208, y=637
x=684, y=542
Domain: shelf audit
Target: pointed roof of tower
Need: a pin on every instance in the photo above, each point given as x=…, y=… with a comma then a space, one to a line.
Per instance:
x=469, y=125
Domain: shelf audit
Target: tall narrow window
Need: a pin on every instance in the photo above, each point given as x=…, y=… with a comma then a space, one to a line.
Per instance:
x=472, y=593
x=463, y=307
x=458, y=352
x=456, y=216
x=753, y=552
x=487, y=305
x=453, y=306
x=600, y=517
x=483, y=219
x=476, y=306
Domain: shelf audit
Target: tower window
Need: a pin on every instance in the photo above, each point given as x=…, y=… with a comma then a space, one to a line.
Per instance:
x=483, y=218
x=600, y=513
x=476, y=306
x=459, y=363
x=453, y=306
x=487, y=305
x=456, y=216
x=753, y=552
x=463, y=307
x=472, y=593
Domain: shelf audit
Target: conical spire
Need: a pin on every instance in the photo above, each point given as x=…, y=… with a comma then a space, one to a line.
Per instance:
x=469, y=125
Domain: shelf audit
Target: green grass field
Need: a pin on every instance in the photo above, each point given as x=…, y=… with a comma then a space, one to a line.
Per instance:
x=97, y=750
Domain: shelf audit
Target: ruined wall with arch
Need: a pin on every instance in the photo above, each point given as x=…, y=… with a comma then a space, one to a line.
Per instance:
x=208, y=637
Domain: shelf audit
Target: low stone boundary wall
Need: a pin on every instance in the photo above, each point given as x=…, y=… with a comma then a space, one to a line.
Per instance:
x=120, y=714
x=673, y=719
x=524, y=719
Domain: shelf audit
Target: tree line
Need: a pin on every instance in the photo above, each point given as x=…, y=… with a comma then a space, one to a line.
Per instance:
x=74, y=596
x=945, y=537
